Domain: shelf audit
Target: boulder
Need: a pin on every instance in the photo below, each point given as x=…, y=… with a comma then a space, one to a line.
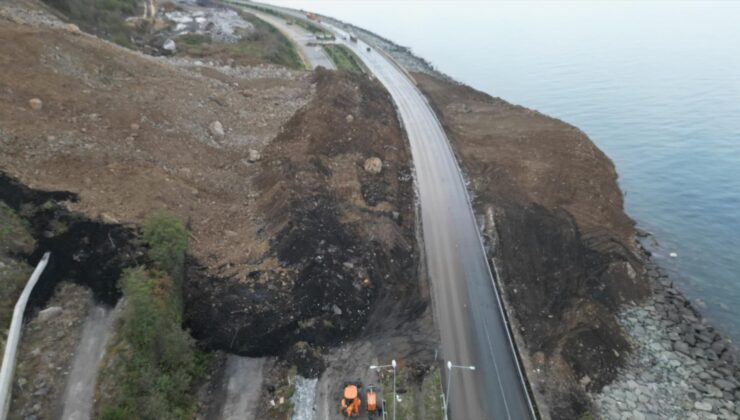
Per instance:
x=373, y=165
x=703, y=406
x=169, y=46
x=36, y=104
x=72, y=28
x=681, y=347
x=217, y=129
x=350, y=118
x=254, y=156
x=49, y=313
x=725, y=384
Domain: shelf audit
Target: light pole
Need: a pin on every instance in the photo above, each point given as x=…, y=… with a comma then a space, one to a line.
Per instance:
x=392, y=365
x=450, y=366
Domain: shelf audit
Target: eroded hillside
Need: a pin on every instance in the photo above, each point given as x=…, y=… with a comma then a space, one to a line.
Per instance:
x=554, y=221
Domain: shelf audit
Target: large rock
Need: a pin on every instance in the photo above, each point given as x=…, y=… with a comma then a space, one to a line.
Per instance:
x=681, y=347
x=217, y=129
x=703, y=406
x=169, y=46
x=49, y=313
x=725, y=384
x=36, y=104
x=373, y=165
x=254, y=156
x=72, y=28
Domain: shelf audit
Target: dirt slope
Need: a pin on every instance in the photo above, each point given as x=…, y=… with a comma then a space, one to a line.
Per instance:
x=554, y=219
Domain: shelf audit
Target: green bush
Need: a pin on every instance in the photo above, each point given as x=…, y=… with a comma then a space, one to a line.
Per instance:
x=154, y=378
x=156, y=362
x=167, y=241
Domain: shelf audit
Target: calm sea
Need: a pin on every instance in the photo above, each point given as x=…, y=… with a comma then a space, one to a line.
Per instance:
x=656, y=85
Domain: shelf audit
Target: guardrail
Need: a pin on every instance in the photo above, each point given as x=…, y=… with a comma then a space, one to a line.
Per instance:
x=14, y=334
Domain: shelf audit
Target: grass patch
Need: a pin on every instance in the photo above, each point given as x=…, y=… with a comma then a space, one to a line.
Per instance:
x=105, y=18
x=152, y=364
x=15, y=239
x=420, y=397
x=318, y=31
x=14, y=232
x=431, y=390
x=343, y=58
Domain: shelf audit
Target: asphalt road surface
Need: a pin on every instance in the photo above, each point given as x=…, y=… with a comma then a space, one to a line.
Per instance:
x=467, y=308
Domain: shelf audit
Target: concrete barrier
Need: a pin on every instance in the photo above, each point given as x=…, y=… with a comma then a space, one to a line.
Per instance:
x=14, y=336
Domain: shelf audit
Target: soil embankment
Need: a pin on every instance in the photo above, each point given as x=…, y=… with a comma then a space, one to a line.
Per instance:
x=553, y=218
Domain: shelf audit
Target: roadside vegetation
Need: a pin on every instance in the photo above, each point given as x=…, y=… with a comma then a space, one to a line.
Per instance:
x=152, y=364
x=265, y=44
x=315, y=29
x=343, y=58
x=420, y=396
x=15, y=241
x=105, y=18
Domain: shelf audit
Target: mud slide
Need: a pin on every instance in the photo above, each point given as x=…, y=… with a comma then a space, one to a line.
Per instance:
x=243, y=383
x=80, y=390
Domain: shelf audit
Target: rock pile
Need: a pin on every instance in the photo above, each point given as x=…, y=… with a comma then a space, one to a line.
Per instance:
x=681, y=368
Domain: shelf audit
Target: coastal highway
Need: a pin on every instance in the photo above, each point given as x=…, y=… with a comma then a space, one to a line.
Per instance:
x=468, y=309
x=313, y=55
x=467, y=306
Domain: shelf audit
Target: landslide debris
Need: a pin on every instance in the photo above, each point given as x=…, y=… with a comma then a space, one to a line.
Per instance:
x=89, y=252
x=335, y=240
x=554, y=220
x=129, y=134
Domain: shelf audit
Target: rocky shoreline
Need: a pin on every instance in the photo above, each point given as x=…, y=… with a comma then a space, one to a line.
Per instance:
x=680, y=368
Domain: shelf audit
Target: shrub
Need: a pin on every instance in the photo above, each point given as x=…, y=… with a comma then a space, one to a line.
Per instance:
x=167, y=241
x=154, y=362
x=155, y=375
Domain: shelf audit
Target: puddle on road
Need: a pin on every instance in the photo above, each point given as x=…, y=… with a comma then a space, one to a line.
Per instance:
x=303, y=398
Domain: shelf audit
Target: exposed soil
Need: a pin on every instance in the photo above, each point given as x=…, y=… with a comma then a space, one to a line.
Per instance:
x=554, y=220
